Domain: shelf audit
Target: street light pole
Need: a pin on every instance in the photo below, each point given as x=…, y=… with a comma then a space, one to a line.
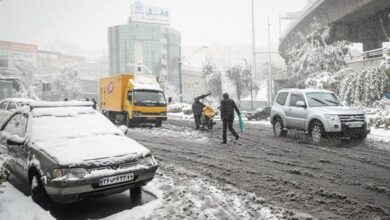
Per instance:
x=180, y=62
x=180, y=76
x=269, y=80
x=253, y=68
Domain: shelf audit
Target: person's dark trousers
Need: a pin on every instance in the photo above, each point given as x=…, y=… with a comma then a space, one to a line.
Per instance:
x=197, y=120
x=228, y=123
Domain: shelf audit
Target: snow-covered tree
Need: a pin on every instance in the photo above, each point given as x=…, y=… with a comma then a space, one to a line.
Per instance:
x=313, y=55
x=241, y=78
x=213, y=78
x=27, y=73
x=365, y=87
x=67, y=83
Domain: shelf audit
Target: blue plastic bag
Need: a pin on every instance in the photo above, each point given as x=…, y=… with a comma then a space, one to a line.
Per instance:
x=241, y=122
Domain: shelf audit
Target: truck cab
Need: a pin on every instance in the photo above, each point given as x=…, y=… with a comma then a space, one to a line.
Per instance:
x=132, y=99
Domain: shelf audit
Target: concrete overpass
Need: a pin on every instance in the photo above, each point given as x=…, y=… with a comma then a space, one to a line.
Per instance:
x=352, y=20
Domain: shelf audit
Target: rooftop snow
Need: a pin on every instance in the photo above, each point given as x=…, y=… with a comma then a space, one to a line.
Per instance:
x=36, y=104
x=145, y=82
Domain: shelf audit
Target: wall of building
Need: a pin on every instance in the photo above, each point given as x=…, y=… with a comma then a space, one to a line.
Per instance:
x=194, y=83
x=157, y=45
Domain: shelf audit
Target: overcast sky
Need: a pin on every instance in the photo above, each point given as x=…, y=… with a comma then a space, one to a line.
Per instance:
x=85, y=22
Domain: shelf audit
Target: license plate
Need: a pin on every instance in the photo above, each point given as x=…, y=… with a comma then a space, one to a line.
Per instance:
x=355, y=124
x=116, y=179
x=152, y=118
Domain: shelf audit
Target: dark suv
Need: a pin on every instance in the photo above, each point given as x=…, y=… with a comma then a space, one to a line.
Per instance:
x=259, y=113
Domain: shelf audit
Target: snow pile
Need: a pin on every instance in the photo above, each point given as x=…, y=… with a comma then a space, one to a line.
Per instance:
x=15, y=205
x=174, y=132
x=79, y=135
x=188, y=196
x=145, y=82
x=180, y=111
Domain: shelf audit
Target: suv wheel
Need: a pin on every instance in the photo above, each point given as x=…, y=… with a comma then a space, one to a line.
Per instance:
x=278, y=128
x=317, y=132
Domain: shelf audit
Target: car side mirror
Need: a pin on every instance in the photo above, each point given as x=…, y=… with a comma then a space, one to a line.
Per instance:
x=15, y=142
x=124, y=129
x=300, y=104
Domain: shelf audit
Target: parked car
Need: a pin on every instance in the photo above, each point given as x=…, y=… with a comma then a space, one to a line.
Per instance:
x=67, y=151
x=7, y=106
x=259, y=113
x=318, y=112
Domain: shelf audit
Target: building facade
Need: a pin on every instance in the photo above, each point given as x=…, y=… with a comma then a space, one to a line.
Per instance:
x=146, y=42
x=10, y=52
x=194, y=83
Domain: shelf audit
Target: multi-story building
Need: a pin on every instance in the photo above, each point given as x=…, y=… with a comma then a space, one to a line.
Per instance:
x=10, y=52
x=146, y=40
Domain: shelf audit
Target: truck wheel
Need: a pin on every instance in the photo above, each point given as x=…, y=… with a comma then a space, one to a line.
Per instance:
x=38, y=192
x=317, y=132
x=278, y=128
x=158, y=124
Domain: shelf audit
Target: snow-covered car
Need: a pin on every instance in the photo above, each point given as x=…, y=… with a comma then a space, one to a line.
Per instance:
x=68, y=151
x=7, y=106
x=318, y=112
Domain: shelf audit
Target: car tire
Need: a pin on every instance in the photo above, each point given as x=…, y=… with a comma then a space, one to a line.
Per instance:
x=278, y=128
x=317, y=132
x=158, y=124
x=38, y=192
x=129, y=123
x=135, y=194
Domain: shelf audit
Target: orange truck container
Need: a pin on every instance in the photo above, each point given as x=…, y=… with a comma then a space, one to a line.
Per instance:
x=131, y=99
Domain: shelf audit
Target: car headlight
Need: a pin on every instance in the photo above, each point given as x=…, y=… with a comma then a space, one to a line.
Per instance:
x=72, y=172
x=332, y=118
x=148, y=161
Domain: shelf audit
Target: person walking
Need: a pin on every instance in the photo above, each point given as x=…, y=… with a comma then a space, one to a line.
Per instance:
x=197, y=108
x=94, y=103
x=228, y=106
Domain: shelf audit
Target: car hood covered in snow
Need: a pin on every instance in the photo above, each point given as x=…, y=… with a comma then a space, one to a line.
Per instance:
x=81, y=136
x=338, y=110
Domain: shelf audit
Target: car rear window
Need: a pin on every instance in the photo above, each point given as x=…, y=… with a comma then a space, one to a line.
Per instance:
x=281, y=99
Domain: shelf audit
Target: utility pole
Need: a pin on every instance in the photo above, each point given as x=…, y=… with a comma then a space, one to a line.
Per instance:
x=269, y=80
x=253, y=69
x=180, y=77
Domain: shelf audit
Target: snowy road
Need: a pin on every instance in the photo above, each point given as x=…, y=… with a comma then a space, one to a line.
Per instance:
x=333, y=181
x=258, y=177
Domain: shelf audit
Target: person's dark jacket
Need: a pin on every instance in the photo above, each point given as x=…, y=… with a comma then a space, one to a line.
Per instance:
x=197, y=108
x=227, y=109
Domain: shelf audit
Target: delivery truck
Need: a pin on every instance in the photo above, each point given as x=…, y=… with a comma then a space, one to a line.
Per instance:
x=132, y=99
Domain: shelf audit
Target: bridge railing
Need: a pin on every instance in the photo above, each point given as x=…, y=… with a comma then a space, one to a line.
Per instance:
x=367, y=55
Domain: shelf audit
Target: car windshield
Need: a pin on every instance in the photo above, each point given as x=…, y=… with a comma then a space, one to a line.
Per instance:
x=54, y=123
x=317, y=99
x=149, y=98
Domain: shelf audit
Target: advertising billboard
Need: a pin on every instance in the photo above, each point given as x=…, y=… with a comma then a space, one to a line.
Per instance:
x=143, y=13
